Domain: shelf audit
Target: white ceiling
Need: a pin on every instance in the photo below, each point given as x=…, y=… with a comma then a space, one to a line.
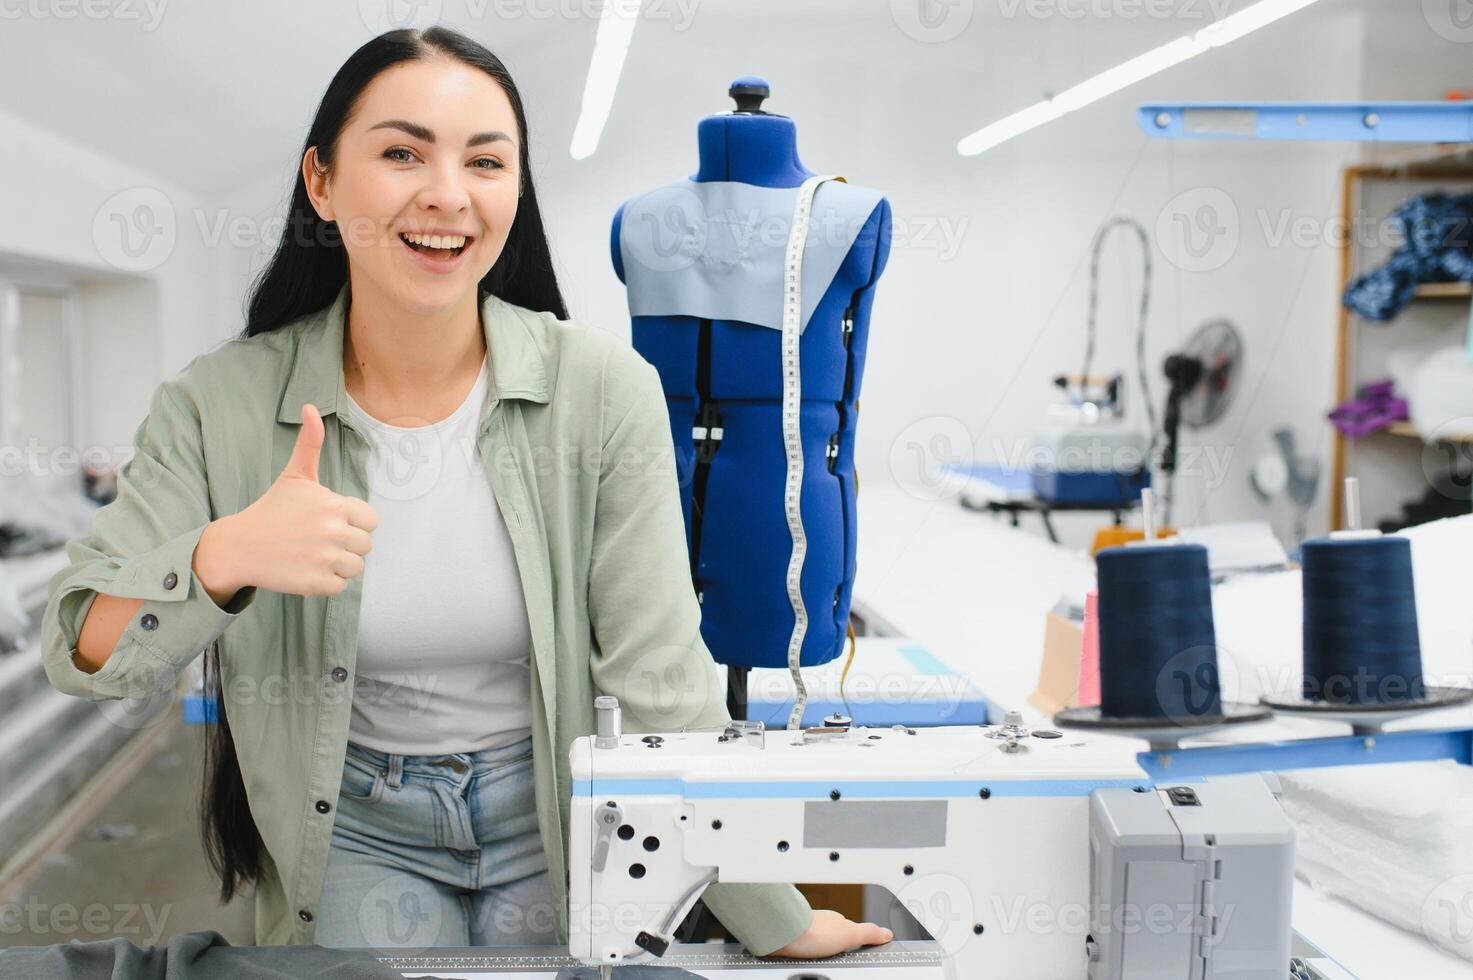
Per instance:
x=212, y=95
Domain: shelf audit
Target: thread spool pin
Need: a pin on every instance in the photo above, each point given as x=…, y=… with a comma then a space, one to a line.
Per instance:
x=1352, y=504
x=1148, y=515
x=610, y=722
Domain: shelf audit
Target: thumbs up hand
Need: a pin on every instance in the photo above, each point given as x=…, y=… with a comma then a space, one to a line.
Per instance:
x=303, y=462
x=299, y=537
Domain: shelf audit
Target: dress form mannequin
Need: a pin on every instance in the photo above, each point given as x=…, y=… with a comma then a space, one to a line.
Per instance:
x=704, y=271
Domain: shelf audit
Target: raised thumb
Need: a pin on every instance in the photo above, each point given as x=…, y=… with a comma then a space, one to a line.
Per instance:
x=308, y=449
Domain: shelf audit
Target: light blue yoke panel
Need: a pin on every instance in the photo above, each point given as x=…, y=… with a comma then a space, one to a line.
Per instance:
x=714, y=249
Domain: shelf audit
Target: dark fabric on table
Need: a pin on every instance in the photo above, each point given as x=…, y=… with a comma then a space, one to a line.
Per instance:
x=634, y=972
x=191, y=956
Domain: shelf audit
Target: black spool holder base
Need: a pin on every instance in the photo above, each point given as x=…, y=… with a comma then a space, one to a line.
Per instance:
x=1164, y=734
x=1370, y=718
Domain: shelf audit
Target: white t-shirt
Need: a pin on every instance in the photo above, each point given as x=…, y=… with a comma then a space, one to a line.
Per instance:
x=443, y=636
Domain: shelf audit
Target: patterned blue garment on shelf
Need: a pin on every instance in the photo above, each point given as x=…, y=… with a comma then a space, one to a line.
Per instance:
x=1437, y=246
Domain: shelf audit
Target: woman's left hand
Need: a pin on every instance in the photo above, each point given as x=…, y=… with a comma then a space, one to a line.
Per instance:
x=830, y=934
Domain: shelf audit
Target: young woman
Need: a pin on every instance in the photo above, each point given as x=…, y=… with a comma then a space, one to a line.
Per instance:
x=389, y=768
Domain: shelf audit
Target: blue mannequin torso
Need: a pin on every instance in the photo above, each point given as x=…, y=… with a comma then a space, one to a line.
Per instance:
x=726, y=373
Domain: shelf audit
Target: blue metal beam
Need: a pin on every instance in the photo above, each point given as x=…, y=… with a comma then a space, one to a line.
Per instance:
x=1311, y=753
x=1385, y=122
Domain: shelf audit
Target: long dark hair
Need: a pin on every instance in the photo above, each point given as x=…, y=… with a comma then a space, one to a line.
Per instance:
x=305, y=275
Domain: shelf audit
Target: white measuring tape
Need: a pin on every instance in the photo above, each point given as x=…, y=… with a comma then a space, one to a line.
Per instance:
x=792, y=434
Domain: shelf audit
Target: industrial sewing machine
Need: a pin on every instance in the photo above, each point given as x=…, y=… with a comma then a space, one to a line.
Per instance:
x=1028, y=855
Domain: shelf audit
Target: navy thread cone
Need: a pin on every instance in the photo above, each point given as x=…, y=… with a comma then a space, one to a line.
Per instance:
x=1158, y=647
x=1361, y=644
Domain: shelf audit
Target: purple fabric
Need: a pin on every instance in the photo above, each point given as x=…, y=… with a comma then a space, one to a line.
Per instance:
x=1375, y=407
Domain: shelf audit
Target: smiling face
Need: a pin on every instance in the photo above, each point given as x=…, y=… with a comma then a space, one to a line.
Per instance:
x=429, y=156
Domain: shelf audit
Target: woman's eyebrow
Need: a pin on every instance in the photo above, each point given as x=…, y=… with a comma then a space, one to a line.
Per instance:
x=421, y=133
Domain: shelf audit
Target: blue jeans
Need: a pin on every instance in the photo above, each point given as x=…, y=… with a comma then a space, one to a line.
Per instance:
x=436, y=851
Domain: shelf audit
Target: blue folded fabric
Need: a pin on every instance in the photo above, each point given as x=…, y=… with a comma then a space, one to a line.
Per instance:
x=1437, y=246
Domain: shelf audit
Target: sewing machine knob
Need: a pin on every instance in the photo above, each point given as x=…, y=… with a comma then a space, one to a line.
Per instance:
x=651, y=944
x=607, y=820
x=610, y=726
x=1011, y=729
x=838, y=720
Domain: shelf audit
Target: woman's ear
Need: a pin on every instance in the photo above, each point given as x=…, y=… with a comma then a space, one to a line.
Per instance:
x=316, y=180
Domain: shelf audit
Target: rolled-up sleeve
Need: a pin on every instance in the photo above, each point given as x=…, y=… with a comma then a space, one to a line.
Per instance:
x=141, y=546
x=648, y=650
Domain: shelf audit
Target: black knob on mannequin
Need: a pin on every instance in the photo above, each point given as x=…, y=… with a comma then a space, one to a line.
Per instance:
x=749, y=94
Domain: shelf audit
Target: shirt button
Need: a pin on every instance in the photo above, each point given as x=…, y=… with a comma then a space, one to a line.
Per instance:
x=322, y=806
x=171, y=580
x=149, y=622
x=304, y=915
x=339, y=674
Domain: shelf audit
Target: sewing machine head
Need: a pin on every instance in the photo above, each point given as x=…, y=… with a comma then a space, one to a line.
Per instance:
x=983, y=833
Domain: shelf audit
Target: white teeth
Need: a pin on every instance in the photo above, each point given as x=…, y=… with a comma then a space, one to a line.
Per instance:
x=436, y=241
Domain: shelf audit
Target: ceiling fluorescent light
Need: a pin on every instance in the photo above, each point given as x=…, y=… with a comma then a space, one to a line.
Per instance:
x=1127, y=73
x=1248, y=20
x=615, y=28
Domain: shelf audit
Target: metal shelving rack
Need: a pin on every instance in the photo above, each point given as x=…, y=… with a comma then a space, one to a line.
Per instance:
x=1440, y=165
x=1447, y=126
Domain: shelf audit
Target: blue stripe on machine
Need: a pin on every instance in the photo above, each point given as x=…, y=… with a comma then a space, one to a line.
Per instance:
x=863, y=789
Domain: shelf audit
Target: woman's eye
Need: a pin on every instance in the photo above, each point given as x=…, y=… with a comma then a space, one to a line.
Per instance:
x=401, y=154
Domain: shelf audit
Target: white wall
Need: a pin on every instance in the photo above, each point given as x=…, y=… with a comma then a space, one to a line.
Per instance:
x=143, y=316
x=984, y=298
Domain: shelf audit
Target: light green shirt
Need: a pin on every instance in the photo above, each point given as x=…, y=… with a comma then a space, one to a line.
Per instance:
x=575, y=438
